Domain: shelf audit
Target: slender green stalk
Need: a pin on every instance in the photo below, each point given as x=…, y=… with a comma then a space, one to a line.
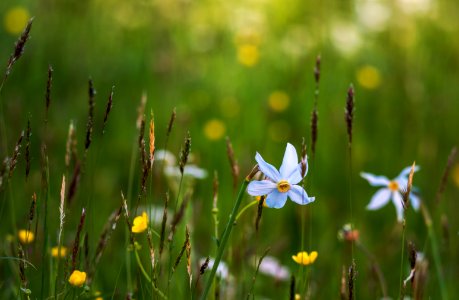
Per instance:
x=45, y=226
x=224, y=240
x=129, y=195
x=435, y=252
x=147, y=277
x=401, y=259
x=253, y=203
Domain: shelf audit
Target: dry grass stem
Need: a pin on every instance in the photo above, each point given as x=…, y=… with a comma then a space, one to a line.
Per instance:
x=349, y=113
x=444, y=178
x=15, y=156
x=76, y=243
x=108, y=108
x=152, y=139
x=163, y=225
x=90, y=123
x=19, y=48
x=49, y=84
x=185, y=152
x=27, y=148
x=233, y=162
x=171, y=122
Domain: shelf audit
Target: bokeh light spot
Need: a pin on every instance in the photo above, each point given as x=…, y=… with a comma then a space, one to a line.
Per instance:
x=16, y=20
x=368, y=77
x=278, y=101
x=214, y=129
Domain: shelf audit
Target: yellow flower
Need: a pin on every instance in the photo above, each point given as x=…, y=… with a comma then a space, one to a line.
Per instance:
x=248, y=55
x=16, y=20
x=303, y=258
x=278, y=101
x=297, y=297
x=25, y=236
x=140, y=223
x=55, y=252
x=369, y=77
x=77, y=278
x=214, y=129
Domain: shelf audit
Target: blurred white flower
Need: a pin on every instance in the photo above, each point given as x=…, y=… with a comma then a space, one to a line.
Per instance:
x=391, y=189
x=373, y=15
x=222, y=269
x=415, y=6
x=270, y=266
x=166, y=156
x=189, y=171
x=346, y=38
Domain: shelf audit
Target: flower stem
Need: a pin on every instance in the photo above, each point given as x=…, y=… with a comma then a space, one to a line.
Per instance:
x=435, y=252
x=401, y=259
x=147, y=277
x=254, y=202
x=224, y=240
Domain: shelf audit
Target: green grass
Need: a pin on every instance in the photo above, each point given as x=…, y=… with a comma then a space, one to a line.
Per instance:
x=184, y=55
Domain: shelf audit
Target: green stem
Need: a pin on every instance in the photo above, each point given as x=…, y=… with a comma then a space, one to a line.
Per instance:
x=253, y=203
x=147, y=277
x=224, y=240
x=401, y=259
x=435, y=251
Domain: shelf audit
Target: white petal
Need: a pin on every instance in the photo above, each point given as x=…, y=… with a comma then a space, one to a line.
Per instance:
x=298, y=195
x=398, y=202
x=267, y=169
x=290, y=162
x=276, y=199
x=295, y=176
x=375, y=180
x=260, y=188
x=405, y=172
x=415, y=201
x=379, y=199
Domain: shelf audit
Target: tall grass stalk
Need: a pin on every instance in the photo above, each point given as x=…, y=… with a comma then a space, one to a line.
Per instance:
x=45, y=218
x=225, y=236
x=435, y=251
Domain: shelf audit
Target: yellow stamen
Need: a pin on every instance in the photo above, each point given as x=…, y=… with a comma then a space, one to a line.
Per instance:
x=283, y=186
x=393, y=186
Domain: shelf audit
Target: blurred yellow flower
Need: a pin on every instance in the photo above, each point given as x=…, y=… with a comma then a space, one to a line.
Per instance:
x=456, y=175
x=214, y=129
x=25, y=236
x=278, y=101
x=98, y=294
x=297, y=297
x=77, y=278
x=248, y=55
x=303, y=258
x=55, y=252
x=369, y=77
x=16, y=20
x=140, y=223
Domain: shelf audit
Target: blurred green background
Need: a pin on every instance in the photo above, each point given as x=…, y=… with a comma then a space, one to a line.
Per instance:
x=244, y=69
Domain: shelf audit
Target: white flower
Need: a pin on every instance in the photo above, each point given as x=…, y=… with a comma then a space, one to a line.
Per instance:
x=270, y=266
x=222, y=269
x=281, y=184
x=391, y=189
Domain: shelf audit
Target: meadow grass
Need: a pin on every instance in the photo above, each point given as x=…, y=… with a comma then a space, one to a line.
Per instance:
x=139, y=223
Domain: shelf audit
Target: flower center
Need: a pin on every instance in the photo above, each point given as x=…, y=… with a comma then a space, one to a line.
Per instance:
x=393, y=186
x=283, y=186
